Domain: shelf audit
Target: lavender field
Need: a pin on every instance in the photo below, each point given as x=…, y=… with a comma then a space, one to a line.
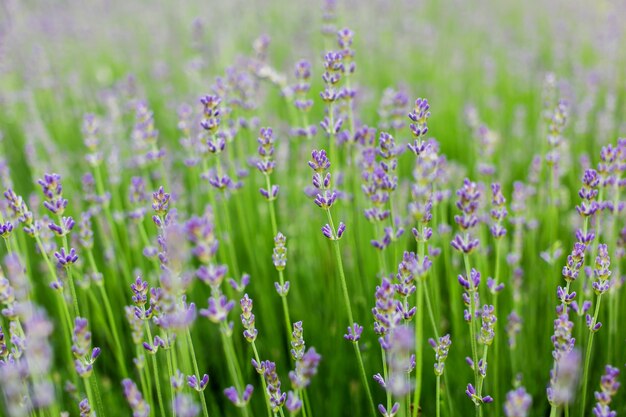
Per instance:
x=312, y=208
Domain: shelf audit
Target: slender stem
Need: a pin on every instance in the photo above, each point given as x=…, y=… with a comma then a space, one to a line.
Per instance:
x=437, y=396
x=170, y=370
x=268, y=184
x=496, y=342
x=70, y=278
x=231, y=244
x=588, y=357
x=346, y=297
x=283, y=299
x=142, y=378
x=419, y=336
x=386, y=376
x=113, y=325
x=331, y=135
x=155, y=368
x=268, y=406
x=90, y=396
x=196, y=370
x=231, y=360
x=472, y=323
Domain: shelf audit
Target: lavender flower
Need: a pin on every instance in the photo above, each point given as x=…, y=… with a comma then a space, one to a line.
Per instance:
x=608, y=388
x=419, y=126
x=266, y=162
x=441, y=347
x=279, y=255
x=145, y=136
x=386, y=311
x=211, y=113
x=90, y=130
x=134, y=397
x=601, y=272
x=588, y=193
x=471, y=393
x=517, y=403
x=53, y=191
x=400, y=360
x=160, y=203
x=333, y=70
x=513, y=328
x=564, y=378
x=234, y=397
x=498, y=211
x=66, y=259
x=276, y=396
x=469, y=196
x=218, y=309
x=81, y=348
x=487, y=330
x=185, y=406
x=84, y=408
x=326, y=197
x=293, y=403
x=198, y=384
x=247, y=319
x=574, y=262
x=354, y=333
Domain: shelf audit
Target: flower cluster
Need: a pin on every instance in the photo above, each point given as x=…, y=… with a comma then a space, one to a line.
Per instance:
x=608, y=388
x=326, y=196
x=498, y=211
x=441, y=347
x=469, y=196
x=266, y=162
x=84, y=355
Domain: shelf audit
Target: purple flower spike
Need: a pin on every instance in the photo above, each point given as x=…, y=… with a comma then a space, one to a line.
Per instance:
x=608, y=388
x=134, y=397
x=341, y=229
x=279, y=255
x=319, y=162
x=211, y=113
x=354, y=333
x=5, y=229
x=601, y=272
x=248, y=319
x=391, y=413
x=65, y=226
x=232, y=395
x=442, y=347
x=52, y=190
x=160, y=201
x=293, y=403
x=471, y=393
x=282, y=290
x=218, y=309
x=198, y=385
x=65, y=259
x=328, y=232
x=517, y=403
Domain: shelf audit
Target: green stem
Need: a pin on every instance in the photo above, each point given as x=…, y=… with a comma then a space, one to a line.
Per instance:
x=346, y=298
x=70, y=278
x=268, y=406
x=196, y=370
x=472, y=322
x=437, y=397
x=113, y=326
x=155, y=368
x=283, y=299
x=588, y=358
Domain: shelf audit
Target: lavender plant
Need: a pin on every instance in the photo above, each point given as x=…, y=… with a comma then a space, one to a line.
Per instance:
x=161, y=256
